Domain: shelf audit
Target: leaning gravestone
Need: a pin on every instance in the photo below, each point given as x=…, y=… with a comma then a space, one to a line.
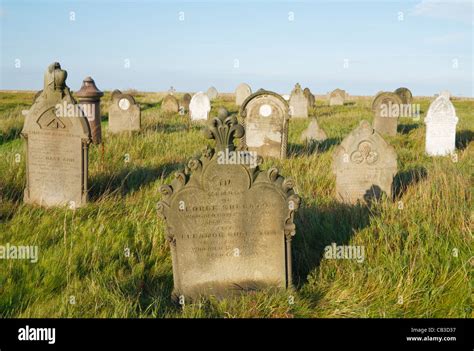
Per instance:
x=337, y=97
x=309, y=97
x=298, y=103
x=242, y=92
x=364, y=164
x=265, y=115
x=441, y=121
x=313, y=133
x=124, y=114
x=57, y=138
x=212, y=93
x=229, y=225
x=405, y=95
x=184, y=103
x=170, y=104
x=387, y=108
x=199, y=107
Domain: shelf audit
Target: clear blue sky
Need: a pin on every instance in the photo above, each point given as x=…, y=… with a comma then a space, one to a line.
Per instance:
x=429, y=50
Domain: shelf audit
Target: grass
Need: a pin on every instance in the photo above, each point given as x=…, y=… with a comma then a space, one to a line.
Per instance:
x=418, y=247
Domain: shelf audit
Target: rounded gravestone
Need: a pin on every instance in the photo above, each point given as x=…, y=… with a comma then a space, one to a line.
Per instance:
x=115, y=94
x=387, y=107
x=170, y=104
x=212, y=93
x=309, y=96
x=405, y=94
x=184, y=103
x=199, y=106
x=242, y=92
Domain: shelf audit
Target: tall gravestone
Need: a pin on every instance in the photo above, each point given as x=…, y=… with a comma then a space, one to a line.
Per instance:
x=199, y=107
x=57, y=138
x=386, y=107
x=441, y=121
x=184, y=103
x=405, y=95
x=89, y=98
x=229, y=225
x=265, y=115
x=212, y=93
x=364, y=165
x=170, y=104
x=309, y=97
x=242, y=92
x=337, y=97
x=124, y=114
x=298, y=103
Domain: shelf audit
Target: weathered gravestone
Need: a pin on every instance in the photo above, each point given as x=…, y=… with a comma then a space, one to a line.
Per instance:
x=337, y=97
x=313, y=133
x=124, y=114
x=309, y=97
x=387, y=107
x=229, y=225
x=405, y=95
x=364, y=164
x=441, y=121
x=170, y=104
x=445, y=93
x=89, y=99
x=298, y=103
x=265, y=116
x=212, y=93
x=242, y=92
x=57, y=138
x=184, y=103
x=199, y=107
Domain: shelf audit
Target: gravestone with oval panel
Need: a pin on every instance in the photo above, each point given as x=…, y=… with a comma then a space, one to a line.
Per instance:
x=441, y=121
x=387, y=108
x=124, y=114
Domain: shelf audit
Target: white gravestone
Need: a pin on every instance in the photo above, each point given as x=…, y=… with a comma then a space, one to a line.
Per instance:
x=199, y=106
x=441, y=123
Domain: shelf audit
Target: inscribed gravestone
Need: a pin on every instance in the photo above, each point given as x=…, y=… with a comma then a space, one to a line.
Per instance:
x=124, y=114
x=265, y=116
x=170, y=104
x=229, y=225
x=387, y=107
x=57, y=138
x=405, y=95
x=212, y=93
x=313, y=133
x=89, y=98
x=199, y=106
x=242, y=92
x=364, y=164
x=441, y=121
x=184, y=103
x=309, y=97
x=337, y=97
x=298, y=103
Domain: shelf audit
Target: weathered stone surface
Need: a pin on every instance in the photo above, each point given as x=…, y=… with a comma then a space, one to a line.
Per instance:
x=199, y=106
x=364, y=165
x=89, y=98
x=386, y=107
x=242, y=92
x=57, y=137
x=124, y=114
x=265, y=116
x=170, y=104
x=405, y=95
x=212, y=93
x=446, y=94
x=313, y=133
x=184, y=103
x=115, y=93
x=298, y=103
x=337, y=97
x=441, y=121
x=229, y=225
x=309, y=97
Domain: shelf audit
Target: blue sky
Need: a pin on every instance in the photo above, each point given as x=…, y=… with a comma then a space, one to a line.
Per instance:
x=360, y=46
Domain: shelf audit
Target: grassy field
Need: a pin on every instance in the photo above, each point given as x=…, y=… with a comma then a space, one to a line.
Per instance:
x=418, y=247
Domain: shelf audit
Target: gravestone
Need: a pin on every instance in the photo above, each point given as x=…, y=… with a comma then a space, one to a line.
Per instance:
x=364, y=165
x=309, y=97
x=405, y=95
x=298, y=103
x=184, y=103
x=445, y=93
x=115, y=93
x=337, y=97
x=170, y=104
x=212, y=93
x=124, y=114
x=441, y=121
x=89, y=98
x=313, y=133
x=199, y=107
x=57, y=138
x=387, y=107
x=242, y=92
x=265, y=115
x=286, y=97
x=229, y=225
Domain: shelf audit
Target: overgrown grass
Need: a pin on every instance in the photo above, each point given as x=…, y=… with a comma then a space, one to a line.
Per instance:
x=418, y=247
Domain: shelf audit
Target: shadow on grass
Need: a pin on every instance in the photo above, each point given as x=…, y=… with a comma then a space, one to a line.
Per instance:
x=127, y=180
x=318, y=227
x=406, y=128
x=11, y=134
x=309, y=148
x=463, y=138
x=404, y=179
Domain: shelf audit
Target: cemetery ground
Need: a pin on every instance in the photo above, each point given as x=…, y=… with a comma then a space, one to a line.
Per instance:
x=111, y=259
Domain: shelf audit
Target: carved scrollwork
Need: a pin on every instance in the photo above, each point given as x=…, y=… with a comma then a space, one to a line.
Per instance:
x=273, y=174
x=166, y=190
x=194, y=165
